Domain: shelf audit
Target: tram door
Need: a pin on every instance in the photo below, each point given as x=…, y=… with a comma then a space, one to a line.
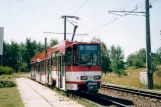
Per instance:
x=49, y=71
x=60, y=72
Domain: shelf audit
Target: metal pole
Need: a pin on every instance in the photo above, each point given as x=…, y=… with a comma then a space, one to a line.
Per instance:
x=75, y=28
x=64, y=27
x=1, y=60
x=148, y=47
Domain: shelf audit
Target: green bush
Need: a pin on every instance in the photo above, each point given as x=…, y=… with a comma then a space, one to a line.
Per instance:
x=4, y=84
x=6, y=70
x=23, y=67
x=138, y=63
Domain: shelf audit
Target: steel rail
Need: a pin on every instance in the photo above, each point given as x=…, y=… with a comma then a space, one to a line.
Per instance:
x=133, y=91
x=97, y=99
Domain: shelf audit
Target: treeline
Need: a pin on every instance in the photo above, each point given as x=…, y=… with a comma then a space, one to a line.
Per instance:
x=18, y=55
x=113, y=59
x=138, y=59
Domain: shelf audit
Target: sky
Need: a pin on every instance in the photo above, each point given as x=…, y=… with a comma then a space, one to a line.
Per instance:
x=23, y=19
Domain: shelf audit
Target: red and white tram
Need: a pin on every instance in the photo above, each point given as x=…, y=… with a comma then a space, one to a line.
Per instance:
x=69, y=66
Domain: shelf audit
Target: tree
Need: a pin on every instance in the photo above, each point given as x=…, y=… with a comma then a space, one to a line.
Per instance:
x=159, y=51
x=137, y=59
x=105, y=59
x=11, y=55
x=18, y=56
x=156, y=60
x=130, y=59
x=39, y=48
x=138, y=63
x=23, y=67
x=29, y=51
x=6, y=54
x=53, y=42
x=15, y=55
x=117, y=59
x=142, y=55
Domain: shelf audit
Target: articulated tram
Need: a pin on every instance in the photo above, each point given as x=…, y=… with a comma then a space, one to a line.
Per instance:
x=69, y=66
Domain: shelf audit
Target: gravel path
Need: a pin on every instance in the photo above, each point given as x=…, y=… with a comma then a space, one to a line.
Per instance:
x=34, y=94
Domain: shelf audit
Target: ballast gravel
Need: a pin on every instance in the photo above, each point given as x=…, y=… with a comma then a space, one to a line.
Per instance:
x=137, y=100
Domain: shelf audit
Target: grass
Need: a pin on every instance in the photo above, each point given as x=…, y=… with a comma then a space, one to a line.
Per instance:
x=157, y=79
x=11, y=77
x=9, y=97
x=133, y=78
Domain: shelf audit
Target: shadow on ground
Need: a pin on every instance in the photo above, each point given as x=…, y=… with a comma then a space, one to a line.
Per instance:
x=100, y=99
x=119, y=100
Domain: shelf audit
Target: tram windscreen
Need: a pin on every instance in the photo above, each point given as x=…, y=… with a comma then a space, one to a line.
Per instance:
x=89, y=54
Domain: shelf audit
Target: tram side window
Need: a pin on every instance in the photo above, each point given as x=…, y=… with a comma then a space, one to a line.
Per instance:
x=32, y=67
x=75, y=55
x=49, y=62
x=63, y=60
x=47, y=65
x=41, y=66
x=69, y=56
x=54, y=59
x=38, y=66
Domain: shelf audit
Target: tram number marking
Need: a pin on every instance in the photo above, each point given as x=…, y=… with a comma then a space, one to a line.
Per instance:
x=90, y=77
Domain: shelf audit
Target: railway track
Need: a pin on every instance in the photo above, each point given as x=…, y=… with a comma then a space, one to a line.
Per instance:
x=99, y=99
x=95, y=98
x=134, y=91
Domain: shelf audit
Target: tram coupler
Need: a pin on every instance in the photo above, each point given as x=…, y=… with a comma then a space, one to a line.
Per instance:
x=92, y=87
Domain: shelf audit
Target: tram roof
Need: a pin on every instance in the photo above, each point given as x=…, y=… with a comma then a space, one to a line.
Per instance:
x=60, y=46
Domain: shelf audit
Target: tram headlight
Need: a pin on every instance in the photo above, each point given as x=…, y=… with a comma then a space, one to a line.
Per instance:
x=84, y=77
x=97, y=77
